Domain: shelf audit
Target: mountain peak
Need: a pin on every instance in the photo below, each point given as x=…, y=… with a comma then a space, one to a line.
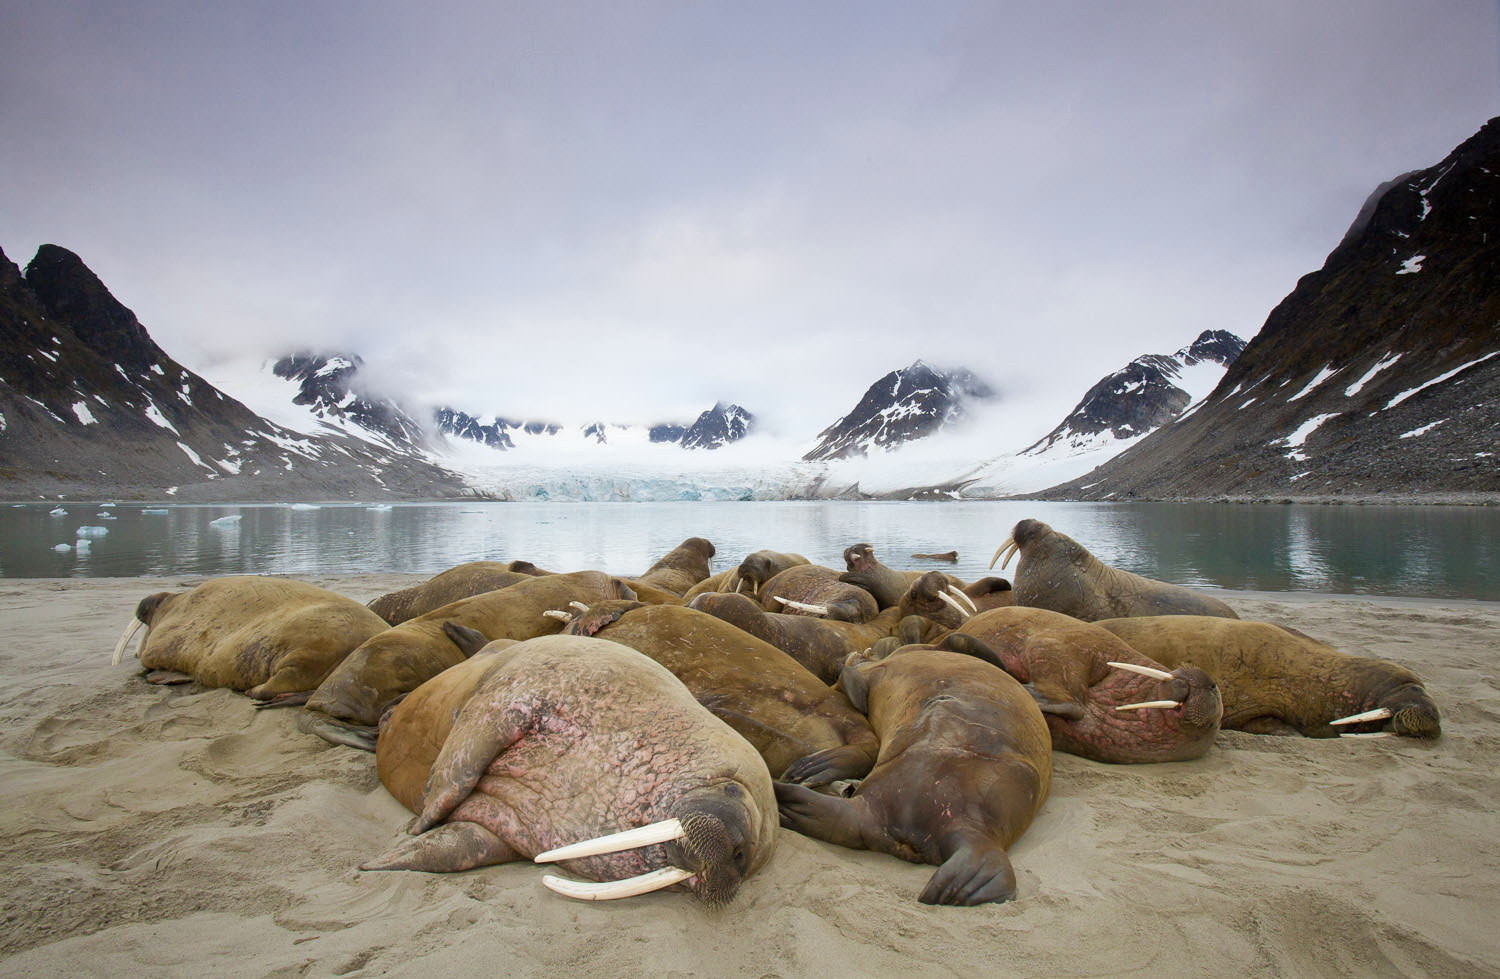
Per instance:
x=906, y=404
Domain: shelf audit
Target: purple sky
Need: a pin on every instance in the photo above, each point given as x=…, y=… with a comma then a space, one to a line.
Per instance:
x=629, y=210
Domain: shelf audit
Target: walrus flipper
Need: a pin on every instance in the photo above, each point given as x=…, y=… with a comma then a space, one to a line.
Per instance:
x=846, y=761
x=479, y=735
x=974, y=874
x=824, y=817
x=449, y=848
x=1052, y=703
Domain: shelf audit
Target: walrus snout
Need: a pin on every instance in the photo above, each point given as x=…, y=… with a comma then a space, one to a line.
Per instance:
x=1202, y=706
x=717, y=845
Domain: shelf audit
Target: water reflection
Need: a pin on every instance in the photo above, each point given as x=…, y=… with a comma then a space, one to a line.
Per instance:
x=1421, y=551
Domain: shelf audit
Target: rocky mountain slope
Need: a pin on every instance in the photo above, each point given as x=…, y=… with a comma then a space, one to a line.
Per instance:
x=1143, y=395
x=91, y=406
x=904, y=405
x=1377, y=377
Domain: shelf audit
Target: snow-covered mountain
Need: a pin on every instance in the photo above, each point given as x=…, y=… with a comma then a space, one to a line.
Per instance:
x=1378, y=375
x=1142, y=396
x=327, y=385
x=91, y=406
x=903, y=406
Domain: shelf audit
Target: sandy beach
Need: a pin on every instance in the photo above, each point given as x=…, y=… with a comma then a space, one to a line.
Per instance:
x=177, y=831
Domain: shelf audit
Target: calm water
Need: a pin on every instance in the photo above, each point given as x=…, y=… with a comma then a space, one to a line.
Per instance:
x=1438, y=552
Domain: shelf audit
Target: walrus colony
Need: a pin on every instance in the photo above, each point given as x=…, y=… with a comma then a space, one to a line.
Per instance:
x=679, y=709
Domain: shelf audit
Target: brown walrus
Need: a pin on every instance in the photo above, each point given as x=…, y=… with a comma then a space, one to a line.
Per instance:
x=785, y=711
x=680, y=568
x=563, y=739
x=819, y=644
x=346, y=706
x=1276, y=680
x=965, y=764
x=950, y=556
x=267, y=637
x=811, y=589
x=462, y=581
x=1056, y=572
x=1094, y=709
x=866, y=571
x=761, y=566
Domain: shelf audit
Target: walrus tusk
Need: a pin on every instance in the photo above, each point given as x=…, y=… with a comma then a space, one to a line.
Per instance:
x=1368, y=734
x=628, y=839
x=130, y=631
x=803, y=606
x=578, y=605
x=1011, y=546
x=951, y=601
x=959, y=594
x=1150, y=703
x=1150, y=671
x=610, y=890
x=1378, y=714
x=558, y=614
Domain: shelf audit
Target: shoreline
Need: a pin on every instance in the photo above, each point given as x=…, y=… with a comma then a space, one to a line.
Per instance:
x=178, y=830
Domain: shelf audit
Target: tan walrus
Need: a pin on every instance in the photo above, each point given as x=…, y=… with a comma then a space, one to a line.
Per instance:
x=1058, y=573
x=781, y=708
x=548, y=748
x=680, y=568
x=347, y=705
x=267, y=637
x=1103, y=699
x=965, y=764
x=1276, y=680
x=459, y=582
x=811, y=589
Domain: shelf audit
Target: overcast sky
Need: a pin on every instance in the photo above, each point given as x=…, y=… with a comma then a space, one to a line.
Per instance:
x=628, y=210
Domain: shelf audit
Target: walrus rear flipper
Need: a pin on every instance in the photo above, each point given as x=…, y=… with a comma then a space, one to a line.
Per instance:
x=449, y=848
x=294, y=699
x=974, y=874
x=846, y=761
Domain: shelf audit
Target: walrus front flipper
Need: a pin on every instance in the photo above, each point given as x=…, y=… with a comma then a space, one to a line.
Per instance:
x=823, y=817
x=449, y=848
x=295, y=699
x=1050, y=703
x=168, y=678
x=972, y=875
x=846, y=761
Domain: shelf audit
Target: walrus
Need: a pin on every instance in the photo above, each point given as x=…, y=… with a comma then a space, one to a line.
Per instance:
x=781, y=708
x=933, y=596
x=1056, y=572
x=865, y=570
x=563, y=739
x=811, y=589
x=819, y=644
x=1276, y=680
x=1102, y=698
x=346, y=706
x=462, y=581
x=267, y=637
x=950, y=556
x=680, y=568
x=760, y=567
x=965, y=764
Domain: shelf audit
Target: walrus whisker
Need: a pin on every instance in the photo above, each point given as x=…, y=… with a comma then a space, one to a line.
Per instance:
x=1368, y=734
x=958, y=593
x=1010, y=547
x=629, y=839
x=610, y=890
x=1378, y=714
x=1150, y=703
x=130, y=631
x=950, y=600
x=558, y=614
x=802, y=606
x=1150, y=671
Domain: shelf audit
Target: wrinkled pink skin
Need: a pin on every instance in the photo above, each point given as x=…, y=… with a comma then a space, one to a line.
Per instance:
x=1064, y=663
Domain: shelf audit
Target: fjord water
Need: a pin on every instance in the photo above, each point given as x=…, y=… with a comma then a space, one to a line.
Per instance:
x=1428, y=552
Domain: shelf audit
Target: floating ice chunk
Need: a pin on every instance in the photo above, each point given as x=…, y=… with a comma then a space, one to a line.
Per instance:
x=304, y=506
x=106, y=506
x=59, y=512
x=379, y=507
x=229, y=521
x=62, y=548
x=88, y=531
x=154, y=512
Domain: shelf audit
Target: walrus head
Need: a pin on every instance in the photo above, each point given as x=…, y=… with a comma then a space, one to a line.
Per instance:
x=712, y=845
x=1030, y=537
x=935, y=597
x=859, y=557
x=1405, y=709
